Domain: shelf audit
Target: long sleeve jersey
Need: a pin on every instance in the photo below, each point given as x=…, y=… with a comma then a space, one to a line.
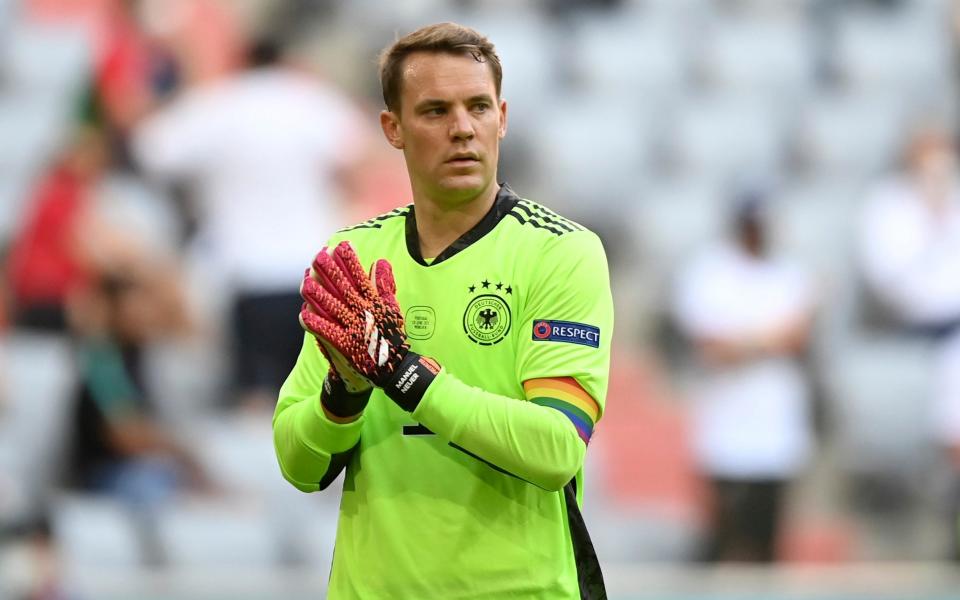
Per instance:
x=477, y=492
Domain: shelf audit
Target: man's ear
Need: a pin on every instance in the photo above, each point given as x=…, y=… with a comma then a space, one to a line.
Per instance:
x=502, y=131
x=390, y=123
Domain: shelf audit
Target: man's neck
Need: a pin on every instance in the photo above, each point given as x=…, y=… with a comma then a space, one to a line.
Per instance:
x=439, y=225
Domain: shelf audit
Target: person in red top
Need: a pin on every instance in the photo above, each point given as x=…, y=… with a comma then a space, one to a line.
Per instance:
x=46, y=261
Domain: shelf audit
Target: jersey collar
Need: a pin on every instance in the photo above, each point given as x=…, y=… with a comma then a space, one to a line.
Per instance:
x=505, y=201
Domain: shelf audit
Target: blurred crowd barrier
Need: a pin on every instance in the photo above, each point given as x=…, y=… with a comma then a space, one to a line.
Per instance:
x=776, y=184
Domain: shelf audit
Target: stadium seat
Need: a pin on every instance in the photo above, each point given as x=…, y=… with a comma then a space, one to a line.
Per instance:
x=7, y=16
x=816, y=221
x=46, y=60
x=32, y=129
x=676, y=10
x=400, y=16
x=892, y=53
x=945, y=416
x=675, y=216
x=93, y=531
x=38, y=379
x=183, y=375
x=594, y=149
x=631, y=56
x=881, y=389
x=316, y=530
x=17, y=501
x=723, y=135
x=13, y=195
x=772, y=58
x=195, y=532
x=237, y=452
x=854, y=135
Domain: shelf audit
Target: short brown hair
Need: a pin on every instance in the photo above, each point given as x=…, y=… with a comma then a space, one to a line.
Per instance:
x=441, y=37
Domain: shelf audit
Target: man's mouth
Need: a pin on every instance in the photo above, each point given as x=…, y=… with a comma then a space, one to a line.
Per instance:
x=462, y=160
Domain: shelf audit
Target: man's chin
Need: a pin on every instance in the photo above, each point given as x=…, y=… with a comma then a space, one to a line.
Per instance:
x=463, y=186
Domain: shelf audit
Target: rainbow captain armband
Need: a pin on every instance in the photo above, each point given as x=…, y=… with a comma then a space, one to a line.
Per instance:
x=566, y=395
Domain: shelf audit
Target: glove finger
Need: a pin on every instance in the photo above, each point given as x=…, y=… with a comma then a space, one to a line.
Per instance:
x=329, y=352
x=347, y=261
x=324, y=328
x=318, y=275
x=324, y=349
x=337, y=347
x=331, y=277
x=304, y=284
x=385, y=283
x=323, y=302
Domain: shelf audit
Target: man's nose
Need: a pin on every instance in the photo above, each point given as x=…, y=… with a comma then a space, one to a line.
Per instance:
x=461, y=126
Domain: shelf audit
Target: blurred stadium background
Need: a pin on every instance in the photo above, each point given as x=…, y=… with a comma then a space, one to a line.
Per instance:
x=643, y=119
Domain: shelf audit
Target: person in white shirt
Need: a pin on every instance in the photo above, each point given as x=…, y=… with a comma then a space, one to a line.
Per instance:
x=265, y=152
x=910, y=237
x=910, y=257
x=747, y=314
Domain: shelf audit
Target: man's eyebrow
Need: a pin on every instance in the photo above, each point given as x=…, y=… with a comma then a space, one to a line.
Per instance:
x=430, y=103
x=434, y=102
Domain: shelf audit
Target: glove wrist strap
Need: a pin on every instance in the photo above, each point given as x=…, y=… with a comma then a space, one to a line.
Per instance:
x=410, y=380
x=339, y=401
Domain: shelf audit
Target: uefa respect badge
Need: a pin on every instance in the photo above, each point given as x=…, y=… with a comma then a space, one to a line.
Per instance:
x=548, y=330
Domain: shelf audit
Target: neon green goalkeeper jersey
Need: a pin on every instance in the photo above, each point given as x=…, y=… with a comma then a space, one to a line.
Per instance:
x=460, y=499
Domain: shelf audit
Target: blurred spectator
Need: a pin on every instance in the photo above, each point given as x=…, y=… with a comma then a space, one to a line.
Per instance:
x=118, y=447
x=947, y=430
x=748, y=314
x=910, y=237
x=205, y=37
x=264, y=150
x=910, y=253
x=130, y=70
x=4, y=299
x=134, y=55
x=47, y=260
x=144, y=48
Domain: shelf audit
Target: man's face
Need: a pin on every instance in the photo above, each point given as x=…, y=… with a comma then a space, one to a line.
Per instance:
x=449, y=125
x=934, y=163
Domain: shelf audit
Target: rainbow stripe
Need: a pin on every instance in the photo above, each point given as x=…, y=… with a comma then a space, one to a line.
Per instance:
x=566, y=395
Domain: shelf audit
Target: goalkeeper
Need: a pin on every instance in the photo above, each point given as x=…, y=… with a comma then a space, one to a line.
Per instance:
x=456, y=359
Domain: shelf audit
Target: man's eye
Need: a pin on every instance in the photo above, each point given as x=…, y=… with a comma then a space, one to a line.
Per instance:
x=481, y=107
x=436, y=111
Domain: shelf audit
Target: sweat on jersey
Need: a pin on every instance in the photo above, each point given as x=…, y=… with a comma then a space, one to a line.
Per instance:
x=461, y=498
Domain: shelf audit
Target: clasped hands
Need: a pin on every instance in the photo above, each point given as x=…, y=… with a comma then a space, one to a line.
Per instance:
x=354, y=316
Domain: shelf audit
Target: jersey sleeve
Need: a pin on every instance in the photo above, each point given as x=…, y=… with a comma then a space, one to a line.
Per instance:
x=527, y=441
x=566, y=324
x=534, y=440
x=310, y=448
